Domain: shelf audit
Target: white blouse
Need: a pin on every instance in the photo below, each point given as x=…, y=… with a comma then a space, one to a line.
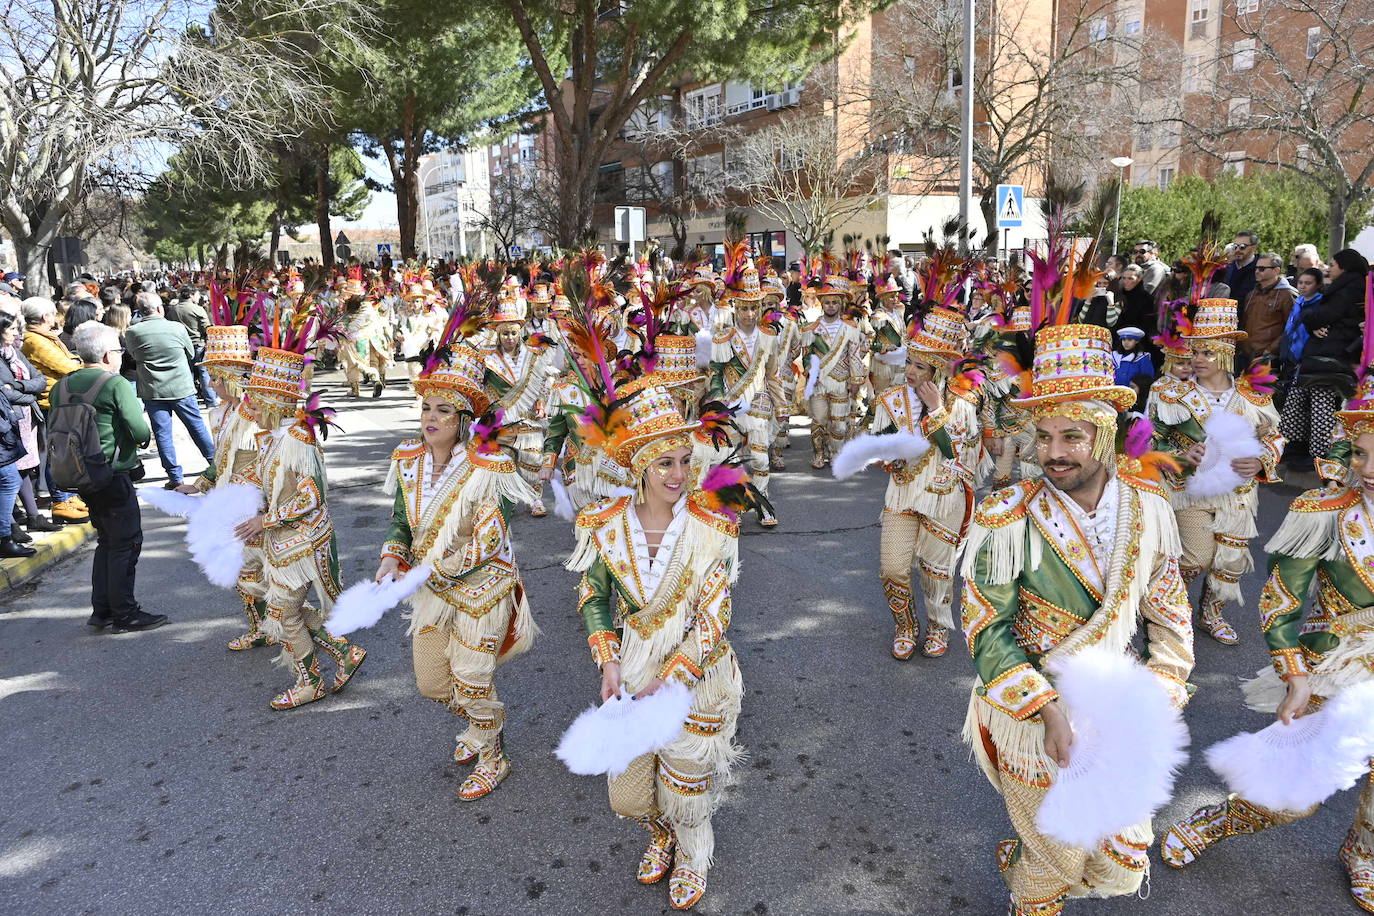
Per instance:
x=651, y=570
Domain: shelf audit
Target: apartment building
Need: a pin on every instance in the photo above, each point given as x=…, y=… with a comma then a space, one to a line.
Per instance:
x=455, y=193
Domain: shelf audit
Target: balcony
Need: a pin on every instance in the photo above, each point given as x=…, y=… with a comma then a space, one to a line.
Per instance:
x=788, y=98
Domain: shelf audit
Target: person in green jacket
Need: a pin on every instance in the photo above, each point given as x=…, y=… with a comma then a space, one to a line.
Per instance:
x=113, y=508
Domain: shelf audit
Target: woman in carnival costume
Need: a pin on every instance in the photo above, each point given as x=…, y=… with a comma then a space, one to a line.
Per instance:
x=454, y=495
x=1325, y=549
x=657, y=568
x=294, y=531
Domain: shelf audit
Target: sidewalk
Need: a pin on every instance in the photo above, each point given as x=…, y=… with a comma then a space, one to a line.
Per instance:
x=369, y=428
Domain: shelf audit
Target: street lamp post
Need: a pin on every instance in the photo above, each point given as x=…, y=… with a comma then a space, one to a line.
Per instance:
x=1120, y=162
x=966, y=128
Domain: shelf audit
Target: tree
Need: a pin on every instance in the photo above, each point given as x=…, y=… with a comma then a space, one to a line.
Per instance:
x=800, y=174
x=447, y=75
x=1283, y=209
x=617, y=55
x=508, y=214
x=1041, y=96
x=661, y=144
x=89, y=85
x=1310, y=114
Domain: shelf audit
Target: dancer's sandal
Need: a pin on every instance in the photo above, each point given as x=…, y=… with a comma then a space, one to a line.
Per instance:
x=484, y=779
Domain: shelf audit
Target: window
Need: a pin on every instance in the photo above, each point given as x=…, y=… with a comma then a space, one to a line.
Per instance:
x=1133, y=27
x=1237, y=112
x=1243, y=54
x=1247, y=6
x=1141, y=176
x=1197, y=10
x=954, y=78
x=1314, y=41
x=662, y=173
x=703, y=106
x=1097, y=30
x=704, y=171
x=909, y=65
x=1193, y=69
x=1166, y=177
x=1144, y=136
x=1233, y=163
x=1168, y=134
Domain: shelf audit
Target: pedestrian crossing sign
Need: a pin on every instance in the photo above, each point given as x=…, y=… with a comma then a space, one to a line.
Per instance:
x=1010, y=205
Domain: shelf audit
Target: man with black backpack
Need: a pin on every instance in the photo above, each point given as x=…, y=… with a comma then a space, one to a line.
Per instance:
x=96, y=426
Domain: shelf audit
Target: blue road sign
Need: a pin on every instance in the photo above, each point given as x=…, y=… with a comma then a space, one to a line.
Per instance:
x=1011, y=199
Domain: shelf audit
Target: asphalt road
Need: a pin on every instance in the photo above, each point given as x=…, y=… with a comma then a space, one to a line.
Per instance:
x=145, y=773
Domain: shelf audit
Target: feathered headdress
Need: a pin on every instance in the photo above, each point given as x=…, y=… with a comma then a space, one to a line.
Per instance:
x=1135, y=440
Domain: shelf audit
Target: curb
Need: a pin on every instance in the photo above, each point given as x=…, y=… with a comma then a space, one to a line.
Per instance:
x=57, y=546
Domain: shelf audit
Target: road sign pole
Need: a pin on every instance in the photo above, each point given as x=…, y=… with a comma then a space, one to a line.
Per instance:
x=966, y=130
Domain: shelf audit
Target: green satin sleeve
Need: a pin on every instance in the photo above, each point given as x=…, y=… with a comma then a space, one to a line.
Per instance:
x=940, y=439
x=595, y=599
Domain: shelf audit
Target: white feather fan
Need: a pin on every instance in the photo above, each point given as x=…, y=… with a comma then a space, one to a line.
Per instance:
x=1128, y=743
x=812, y=376
x=1293, y=767
x=210, y=531
x=362, y=604
x=865, y=449
x=562, y=503
x=1228, y=436
x=605, y=738
x=170, y=502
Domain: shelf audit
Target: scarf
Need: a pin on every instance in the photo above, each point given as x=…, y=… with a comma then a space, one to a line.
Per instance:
x=1295, y=334
x=18, y=365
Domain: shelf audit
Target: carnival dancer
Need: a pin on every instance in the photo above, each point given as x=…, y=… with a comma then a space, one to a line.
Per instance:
x=454, y=495
x=365, y=351
x=421, y=322
x=228, y=359
x=519, y=377
x=1324, y=548
x=1078, y=558
x=789, y=323
x=1216, y=530
x=744, y=367
x=657, y=569
x=929, y=501
x=887, y=351
x=294, y=530
x=833, y=348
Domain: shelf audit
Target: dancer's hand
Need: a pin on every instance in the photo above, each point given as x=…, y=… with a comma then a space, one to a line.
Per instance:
x=189, y=489
x=1058, y=733
x=610, y=680
x=389, y=569
x=546, y=474
x=996, y=444
x=651, y=688
x=929, y=395
x=1294, y=705
x=250, y=529
x=1248, y=468
x=1194, y=455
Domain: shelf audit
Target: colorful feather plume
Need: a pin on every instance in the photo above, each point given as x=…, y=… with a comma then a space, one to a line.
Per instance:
x=728, y=489
x=486, y=432
x=715, y=424
x=318, y=417
x=1259, y=375
x=1135, y=438
x=967, y=375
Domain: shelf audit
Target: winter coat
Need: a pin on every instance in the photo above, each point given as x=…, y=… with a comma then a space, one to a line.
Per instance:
x=1265, y=315
x=1340, y=311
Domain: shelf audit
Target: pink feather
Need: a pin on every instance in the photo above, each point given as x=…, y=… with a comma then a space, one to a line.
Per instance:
x=1139, y=437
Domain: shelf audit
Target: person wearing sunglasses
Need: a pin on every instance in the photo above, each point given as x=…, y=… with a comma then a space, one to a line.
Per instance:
x=1153, y=270
x=1267, y=307
x=1240, y=273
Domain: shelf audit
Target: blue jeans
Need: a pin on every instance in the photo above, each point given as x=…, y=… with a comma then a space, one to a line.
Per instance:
x=160, y=418
x=9, y=489
x=202, y=377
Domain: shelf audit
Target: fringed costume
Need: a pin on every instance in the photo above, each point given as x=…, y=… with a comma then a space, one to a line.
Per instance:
x=833, y=349
x=299, y=552
x=1216, y=530
x=928, y=502
x=1324, y=549
x=1045, y=578
x=519, y=383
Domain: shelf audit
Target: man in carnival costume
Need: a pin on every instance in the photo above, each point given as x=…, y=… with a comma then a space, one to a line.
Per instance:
x=888, y=354
x=421, y=322
x=518, y=376
x=1216, y=529
x=788, y=350
x=833, y=351
x=454, y=496
x=744, y=367
x=1079, y=558
x=365, y=351
x=294, y=530
x=1325, y=549
x=228, y=359
x=929, y=499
